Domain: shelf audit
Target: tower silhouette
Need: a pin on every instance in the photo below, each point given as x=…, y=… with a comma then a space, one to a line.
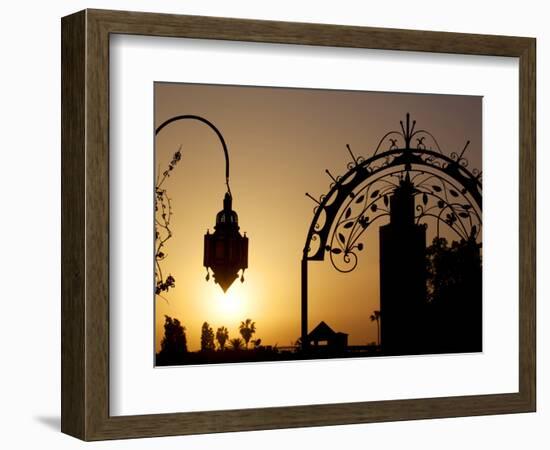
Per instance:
x=402, y=274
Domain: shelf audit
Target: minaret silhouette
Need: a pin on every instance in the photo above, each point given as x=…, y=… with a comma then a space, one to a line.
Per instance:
x=402, y=274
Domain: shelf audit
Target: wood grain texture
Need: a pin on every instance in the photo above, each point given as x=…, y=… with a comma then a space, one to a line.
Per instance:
x=527, y=224
x=97, y=226
x=85, y=224
x=73, y=274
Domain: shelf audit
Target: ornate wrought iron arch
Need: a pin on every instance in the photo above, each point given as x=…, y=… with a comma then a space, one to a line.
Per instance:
x=451, y=194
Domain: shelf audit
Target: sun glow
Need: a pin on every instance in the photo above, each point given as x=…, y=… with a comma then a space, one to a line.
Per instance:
x=232, y=304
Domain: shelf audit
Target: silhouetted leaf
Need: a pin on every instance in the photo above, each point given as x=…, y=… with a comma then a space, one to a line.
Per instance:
x=450, y=218
x=336, y=251
x=348, y=225
x=425, y=198
x=348, y=213
x=436, y=188
x=360, y=199
x=375, y=194
x=341, y=237
x=466, y=206
x=464, y=215
x=453, y=192
x=364, y=221
x=374, y=207
x=441, y=204
x=386, y=201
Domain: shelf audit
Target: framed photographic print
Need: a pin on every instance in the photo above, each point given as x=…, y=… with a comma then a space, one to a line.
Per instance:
x=271, y=224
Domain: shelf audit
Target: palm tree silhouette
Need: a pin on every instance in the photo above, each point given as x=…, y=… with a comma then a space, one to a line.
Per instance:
x=375, y=317
x=222, y=335
x=236, y=343
x=247, y=329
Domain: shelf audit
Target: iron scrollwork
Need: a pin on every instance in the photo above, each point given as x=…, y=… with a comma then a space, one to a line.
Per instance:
x=448, y=195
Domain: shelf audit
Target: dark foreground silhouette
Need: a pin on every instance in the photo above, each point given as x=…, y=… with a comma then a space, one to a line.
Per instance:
x=444, y=315
x=262, y=354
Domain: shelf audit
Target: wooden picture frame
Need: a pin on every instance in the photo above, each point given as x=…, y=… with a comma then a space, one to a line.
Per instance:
x=85, y=224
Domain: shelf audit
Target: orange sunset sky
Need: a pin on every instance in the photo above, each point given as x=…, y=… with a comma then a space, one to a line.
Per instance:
x=280, y=143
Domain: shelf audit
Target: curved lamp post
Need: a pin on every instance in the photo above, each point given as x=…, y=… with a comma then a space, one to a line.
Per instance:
x=225, y=250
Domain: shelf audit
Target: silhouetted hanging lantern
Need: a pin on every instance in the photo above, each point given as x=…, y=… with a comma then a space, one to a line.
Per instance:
x=226, y=250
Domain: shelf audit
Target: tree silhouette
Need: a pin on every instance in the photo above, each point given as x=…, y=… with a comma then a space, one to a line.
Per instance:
x=207, y=338
x=236, y=343
x=247, y=329
x=174, y=343
x=222, y=335
x=375, y=317
x=454, y=295
x=163, y=215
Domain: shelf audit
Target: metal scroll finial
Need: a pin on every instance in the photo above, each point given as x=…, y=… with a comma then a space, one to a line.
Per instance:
x=408, y=130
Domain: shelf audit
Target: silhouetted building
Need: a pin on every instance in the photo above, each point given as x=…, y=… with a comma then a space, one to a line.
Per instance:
x=402, y=274
x=324, y=336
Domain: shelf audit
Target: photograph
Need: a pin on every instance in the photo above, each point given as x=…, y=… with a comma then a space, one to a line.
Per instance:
x=275, y=221
x=293, y=223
